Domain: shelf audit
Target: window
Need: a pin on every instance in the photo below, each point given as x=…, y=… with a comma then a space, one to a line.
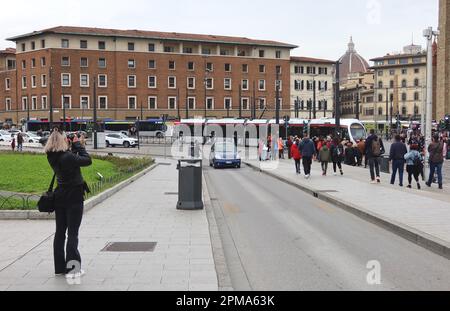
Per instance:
x=245, y=103
x=131, y=63
x=261, y=53
x=380, y=97
x=66, y=101
x=42, y=44
x=132, y=102
x=262, y=69
x=84, y=80
x=151, y=64
x=392, y=62
x=84, y=102
x=172, y=103
x=227, y=67
x=227, y=103
x=391, y=97
x=102, y=81
x=24, y=103
x=323, y=71
x=380, y=111
x=416, y=82
x=278, y=54
x=171, y=65
x=191, y=103
x=33, y=63
x=404, y=61
x=262, y=85
x=404, y=83
x=65, y=43
x=33, y=82
x=65, y=79
x=65, y=61
x=262, y=104
x=103, y=102
x=152, y=102
x=280, y=101
x=245, y=68
x=299, y=69
x=190, y=66
x=206, y=51
x=130, y=46
x=391, y=84
x=102, y=62
x=404, y=71
x=224, y=52
x=83, y=44
x=227, y=84
x=11, y=64
x=24, y=64
x=380, y=84
x=416, y=96
x=7, y=84
x=209, y=83
x=152, y=82
x=297, y=85
x=169, y=49
x=84, y=62
x=132, y=81
x=191, y=83
x=209, y=67
x=245, y=85
x=44, y=103
x=172, y=82
x=416, y=70
x=34, y=103
x=380, y=73
x=187, y=50
x=210, y=103
x=278, y=69
x=43, y=62
x=392, y=72
x=151, y=47
x=404, y=97
x=24, y=82
x=101, y=45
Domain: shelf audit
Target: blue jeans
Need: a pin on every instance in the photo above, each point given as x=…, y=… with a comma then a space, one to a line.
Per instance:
x=433, y=168
x=398, y=165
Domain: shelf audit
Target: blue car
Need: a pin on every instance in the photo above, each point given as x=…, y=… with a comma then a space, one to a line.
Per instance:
x=224, y=154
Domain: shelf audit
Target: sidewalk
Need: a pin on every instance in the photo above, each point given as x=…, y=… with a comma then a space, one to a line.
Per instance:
x=143, y=212
x=421, y=216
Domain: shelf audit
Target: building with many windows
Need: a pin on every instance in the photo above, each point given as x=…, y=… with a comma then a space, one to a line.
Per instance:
x=400, y=84
x=357, y=96
x=7, y=81
x=443, y=62
x=312, y=78
x=142, y=73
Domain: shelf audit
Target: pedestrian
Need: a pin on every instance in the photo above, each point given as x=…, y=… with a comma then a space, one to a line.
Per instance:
x=350, y=155
x=297, y=156
x=358, y=154
x=308, y=151
x=19, y=142
x=13, y=144
x=66, y=157
x=289, y=144
x=374, y=150
x=325, y=158
x=413, y=165
x=436, y=160
x=397, y=157
x=260, y=149
x=337, y=155
x=280, y=148
x=361, y=147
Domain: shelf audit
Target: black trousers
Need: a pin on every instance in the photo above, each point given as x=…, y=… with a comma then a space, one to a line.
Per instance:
x=307, y=161
x=374, y=166
x=68, y=219
x=336, y=165
x=297, y=166
x=413, y=171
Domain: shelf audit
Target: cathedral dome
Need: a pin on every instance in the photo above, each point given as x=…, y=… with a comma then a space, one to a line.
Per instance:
x=351, y=63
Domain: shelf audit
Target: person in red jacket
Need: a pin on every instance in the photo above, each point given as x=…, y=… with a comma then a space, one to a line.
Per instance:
x=296, y=155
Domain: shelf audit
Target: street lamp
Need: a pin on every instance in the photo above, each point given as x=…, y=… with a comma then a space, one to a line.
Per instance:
x=277, y=99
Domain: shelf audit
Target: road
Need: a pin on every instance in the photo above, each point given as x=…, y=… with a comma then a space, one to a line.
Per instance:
x=276, y=237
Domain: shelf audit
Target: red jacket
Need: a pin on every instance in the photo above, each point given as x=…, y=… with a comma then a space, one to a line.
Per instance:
x=296, y=155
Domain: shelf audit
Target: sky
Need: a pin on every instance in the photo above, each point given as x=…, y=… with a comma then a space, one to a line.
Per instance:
x=321, y=28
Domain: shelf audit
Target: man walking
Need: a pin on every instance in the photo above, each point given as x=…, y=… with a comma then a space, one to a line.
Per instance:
x=374, y=150
x=397, y=156
x=436, y=160
x=307, y=150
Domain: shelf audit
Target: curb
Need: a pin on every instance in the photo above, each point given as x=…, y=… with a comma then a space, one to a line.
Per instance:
x=420, y=238
x=223, y=274
x=88, y=205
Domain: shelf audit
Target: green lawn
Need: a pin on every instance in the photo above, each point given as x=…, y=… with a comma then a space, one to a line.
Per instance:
x=29, y=173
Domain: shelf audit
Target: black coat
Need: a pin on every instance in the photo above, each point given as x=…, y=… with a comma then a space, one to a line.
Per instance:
x=67, y=166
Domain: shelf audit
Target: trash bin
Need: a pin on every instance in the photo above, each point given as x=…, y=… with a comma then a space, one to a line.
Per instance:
x=385, y=165
x=190, y=185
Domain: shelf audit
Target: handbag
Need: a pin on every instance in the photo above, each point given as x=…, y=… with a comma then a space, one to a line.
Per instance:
x=46, y=203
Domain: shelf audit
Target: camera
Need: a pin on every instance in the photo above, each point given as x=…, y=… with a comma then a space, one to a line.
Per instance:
x=72, y=136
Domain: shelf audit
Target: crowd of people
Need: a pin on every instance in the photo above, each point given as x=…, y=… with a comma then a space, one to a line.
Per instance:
x=407, y=152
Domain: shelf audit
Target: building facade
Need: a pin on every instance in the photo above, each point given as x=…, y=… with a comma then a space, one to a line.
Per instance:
x=400, y=84
x=443, y=62
x=130, y=74
x=7, y=81
x=357, y=96
x=311, y=79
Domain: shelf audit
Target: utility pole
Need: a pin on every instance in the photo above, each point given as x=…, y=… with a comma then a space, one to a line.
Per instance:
x=51, y=98
x=142, y=111
x=240, y=101
x=178, y=104
x=337, y=103
x=187, y=102
x=314, y=98
x=254, y=101
x=387, y=113
x=392, y=111
x=277, y=104
x=95, y=116
x=63, y=108
x=310, y=108
x=297, y=107
x=357, y=102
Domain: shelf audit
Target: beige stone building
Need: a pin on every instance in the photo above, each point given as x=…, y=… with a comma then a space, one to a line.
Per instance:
x=357, y=96
x=400, y=83
x=307, y=74
x=443, y=62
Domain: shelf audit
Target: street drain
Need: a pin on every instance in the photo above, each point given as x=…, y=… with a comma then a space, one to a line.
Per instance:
x=126, y=247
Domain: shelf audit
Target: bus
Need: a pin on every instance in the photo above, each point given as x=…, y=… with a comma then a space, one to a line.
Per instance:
x=70, y=125
x=148, y=128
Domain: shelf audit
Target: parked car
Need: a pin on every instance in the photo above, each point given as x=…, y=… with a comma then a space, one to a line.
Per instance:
x=119, y=139
x=5, y=137
x=224, y=154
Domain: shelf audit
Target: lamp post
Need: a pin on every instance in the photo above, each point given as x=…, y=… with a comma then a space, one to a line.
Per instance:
x=64, y=109
x=314, y=97
x=357, y=101
x=277, y=99
x=95, y=116
x=51, y=97
x=337, y=100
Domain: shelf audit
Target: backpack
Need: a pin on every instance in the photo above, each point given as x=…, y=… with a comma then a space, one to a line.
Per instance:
x=376, y=147
x=417, y=161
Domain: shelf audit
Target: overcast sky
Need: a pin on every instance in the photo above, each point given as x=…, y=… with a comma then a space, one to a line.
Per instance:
x=321, y=28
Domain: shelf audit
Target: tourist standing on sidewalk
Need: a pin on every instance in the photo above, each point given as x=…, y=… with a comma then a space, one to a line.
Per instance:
x=281, y=148
x=337, y=155
x=289, y=144
x=19, y=142
x=397, y=157
x=325, y=158
x=308, y=151
x=66, y=157
x=297, y=156
x=374, y=150
x=436, y=160
x=413, y=165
